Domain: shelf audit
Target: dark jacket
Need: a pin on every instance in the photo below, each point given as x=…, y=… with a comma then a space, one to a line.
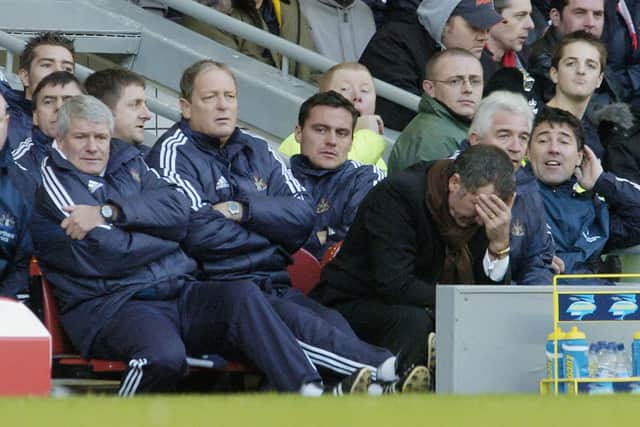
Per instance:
x=622, y=149
x=20, y=122
x=530, y=241
x=15, y=241
x=136, y=257
x=584, y=226
x=336, y=195
x=28, y=156
x=393, y=251
x=277, y=219
x=398, y=54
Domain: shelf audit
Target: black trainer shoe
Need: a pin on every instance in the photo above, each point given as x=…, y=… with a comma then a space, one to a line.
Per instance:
x=356, y=383
x=417, y=379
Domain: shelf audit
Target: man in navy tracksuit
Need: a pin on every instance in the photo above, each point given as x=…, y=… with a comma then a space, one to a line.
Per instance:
x=15, y=242
x=42, y=55
x=504, y=119
x=325, y=134
x=48, y=97
x=106, y=233
x=249, y=214
x=584, y=224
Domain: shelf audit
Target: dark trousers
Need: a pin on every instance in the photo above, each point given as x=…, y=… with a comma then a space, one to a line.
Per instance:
x=324, y=335
x=403, y=329
x=232, y=319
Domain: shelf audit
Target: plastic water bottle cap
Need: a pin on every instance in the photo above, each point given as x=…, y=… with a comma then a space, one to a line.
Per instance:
x=574, y=333
x=559, y=334
x=636, y=336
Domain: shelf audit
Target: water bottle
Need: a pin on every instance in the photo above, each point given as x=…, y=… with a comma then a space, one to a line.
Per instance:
x=575, y=350
x=635, y=355
x=606, y=369
x=622, y=370
x=550, y=357
x=593, y=360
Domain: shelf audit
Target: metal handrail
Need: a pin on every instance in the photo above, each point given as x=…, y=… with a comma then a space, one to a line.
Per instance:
x=16, y=46
x=285, y=47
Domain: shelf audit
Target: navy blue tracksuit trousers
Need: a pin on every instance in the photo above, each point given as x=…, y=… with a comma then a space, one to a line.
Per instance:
x=325, y=336
x=233, y=319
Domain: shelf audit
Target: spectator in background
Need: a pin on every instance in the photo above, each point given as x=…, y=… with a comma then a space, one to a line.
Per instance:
x=249, y=214
x=42, y=55
x=398, y=53
x=337, y=186
x=504, y=119
x=433, y=223
x=584, y=224
x=354, y=82
x=340, y=29
x=577, y=70
x=15, y=241
x=285, y=20
x=48, y=97
x=568, y=16
x=123, y=92
x=507, y=38
x=453, y=89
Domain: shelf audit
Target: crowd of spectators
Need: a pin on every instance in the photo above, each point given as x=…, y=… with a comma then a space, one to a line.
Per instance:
x=157, y=253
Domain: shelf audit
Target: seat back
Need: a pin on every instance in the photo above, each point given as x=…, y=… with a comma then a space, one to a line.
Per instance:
x=60, y=343
x=304, y=272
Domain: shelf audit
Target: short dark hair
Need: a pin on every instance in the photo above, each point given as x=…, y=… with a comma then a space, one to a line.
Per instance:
x=579, y=36
x=560, y=117
x=439, y=56
x=190, y=74
x=49, y=38
x=108, y=85
x=57, y=78
x=559, y=5
x=482, y=165
x=331, y=99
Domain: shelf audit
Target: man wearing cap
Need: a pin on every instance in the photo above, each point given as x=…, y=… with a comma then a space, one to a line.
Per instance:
x=399, y=51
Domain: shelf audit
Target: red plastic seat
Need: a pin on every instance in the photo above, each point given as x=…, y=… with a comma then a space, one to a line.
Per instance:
x=304, y=272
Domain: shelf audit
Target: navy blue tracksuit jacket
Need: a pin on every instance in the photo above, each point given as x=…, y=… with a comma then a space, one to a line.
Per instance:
x=278, y=217
x=21, y=120
x=336, y=195
x=15, y=241
x=93, y=278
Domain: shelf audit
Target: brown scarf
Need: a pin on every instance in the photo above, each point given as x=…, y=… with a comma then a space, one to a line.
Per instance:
x=457, y=267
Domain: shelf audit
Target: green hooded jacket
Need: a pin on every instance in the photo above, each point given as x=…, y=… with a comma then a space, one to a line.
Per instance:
x=435, y=133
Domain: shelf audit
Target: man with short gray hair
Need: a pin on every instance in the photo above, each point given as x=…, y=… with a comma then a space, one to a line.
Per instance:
x=504, y=119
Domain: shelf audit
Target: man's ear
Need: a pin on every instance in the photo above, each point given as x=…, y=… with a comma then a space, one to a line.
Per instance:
x=297, y=133
x=24, y=78
x=474, y=139
x=600, y=79
x=556, y=17
x=427, y=87
x=580, y=157
x=553, y=74
x=185, y=108
x=454, y=183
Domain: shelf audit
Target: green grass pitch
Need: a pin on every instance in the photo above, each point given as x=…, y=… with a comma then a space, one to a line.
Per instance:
x=269, y=410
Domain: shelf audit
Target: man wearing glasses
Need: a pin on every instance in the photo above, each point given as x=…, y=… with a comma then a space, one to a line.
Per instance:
x=453, y=89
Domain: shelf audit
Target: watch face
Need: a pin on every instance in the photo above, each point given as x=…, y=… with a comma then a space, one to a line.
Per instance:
x=106, y=211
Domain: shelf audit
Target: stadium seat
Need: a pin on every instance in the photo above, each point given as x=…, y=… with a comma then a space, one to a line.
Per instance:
x=66, y=361
x=304, y=272
x=330, y=254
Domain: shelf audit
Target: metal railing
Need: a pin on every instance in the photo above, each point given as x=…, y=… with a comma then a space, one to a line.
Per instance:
x=285, y=47
x=16, y=46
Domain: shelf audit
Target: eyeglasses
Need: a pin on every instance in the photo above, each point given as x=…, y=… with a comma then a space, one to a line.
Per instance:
x=457, y=81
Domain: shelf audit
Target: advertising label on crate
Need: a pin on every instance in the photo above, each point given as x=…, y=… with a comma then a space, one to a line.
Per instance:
x=598, y=307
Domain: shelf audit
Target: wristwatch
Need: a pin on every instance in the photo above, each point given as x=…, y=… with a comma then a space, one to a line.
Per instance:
x=233, y=208
x=106, y=211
